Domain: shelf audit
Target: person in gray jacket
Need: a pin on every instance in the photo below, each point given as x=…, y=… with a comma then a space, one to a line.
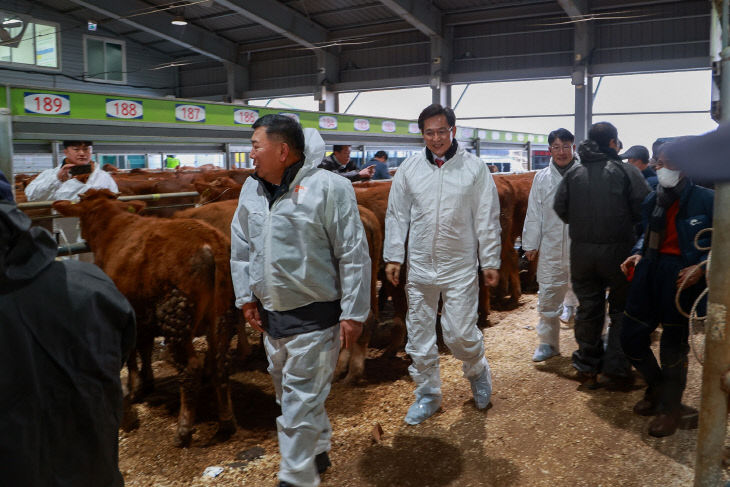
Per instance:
x=600, y=199
x=301, y=273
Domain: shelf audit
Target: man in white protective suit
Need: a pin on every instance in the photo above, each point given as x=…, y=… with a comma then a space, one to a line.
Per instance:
x=444, y=202
x=301, y=273
x=544, y=235
x=77, y=174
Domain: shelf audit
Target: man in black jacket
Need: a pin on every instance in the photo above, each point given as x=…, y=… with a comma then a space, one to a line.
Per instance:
x=65, y=331
x=601, y=201
x=339, y=162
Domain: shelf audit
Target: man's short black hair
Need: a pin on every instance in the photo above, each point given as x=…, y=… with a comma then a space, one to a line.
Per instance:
x=602, y=133
x=381, y=153
x=563, y=134
x=73, y=143
x=434, y=111
x=339, y=148
x=285, y=128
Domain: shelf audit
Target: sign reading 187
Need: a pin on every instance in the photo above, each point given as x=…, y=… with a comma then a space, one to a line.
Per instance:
x=190, y=113
x=47, y=103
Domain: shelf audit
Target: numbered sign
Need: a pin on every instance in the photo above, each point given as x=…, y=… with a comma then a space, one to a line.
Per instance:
x=495, y=135
x=123, y=108
x=190, y=113
x=290, y=115
x=465, y=133
x=328, y=122
x=521, y=137
x=508, y=136
x=388, y=126
x=482, y=134
x=245, y=116
x=541, y=138
x=531, y=138
x=47, y=103
x=413, y=128
x=362, y=124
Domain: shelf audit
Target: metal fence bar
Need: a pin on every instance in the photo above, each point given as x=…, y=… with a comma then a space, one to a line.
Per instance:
x=140, y=197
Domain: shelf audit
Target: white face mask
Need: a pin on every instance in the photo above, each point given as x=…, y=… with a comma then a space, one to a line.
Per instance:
x=668, y=178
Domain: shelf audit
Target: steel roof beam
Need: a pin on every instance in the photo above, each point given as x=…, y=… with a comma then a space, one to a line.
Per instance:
x=576, y=9
x=158, y=23
x=421, y=15
x=281, y=19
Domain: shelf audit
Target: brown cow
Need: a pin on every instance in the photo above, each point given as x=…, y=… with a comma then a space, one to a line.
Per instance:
x=176, y=275
x=219, y=215
x=513, y=191
x=353, y=361
x=223, y=188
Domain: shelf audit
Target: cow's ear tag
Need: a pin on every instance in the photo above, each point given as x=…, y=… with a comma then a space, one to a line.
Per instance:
x=130, y=209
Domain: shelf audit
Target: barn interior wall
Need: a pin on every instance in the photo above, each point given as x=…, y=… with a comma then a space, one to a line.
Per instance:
x=141, y=79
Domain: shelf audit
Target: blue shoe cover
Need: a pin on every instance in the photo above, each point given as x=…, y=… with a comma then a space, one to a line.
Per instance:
x=544, y=352
x=422, y=409
x=481, y=387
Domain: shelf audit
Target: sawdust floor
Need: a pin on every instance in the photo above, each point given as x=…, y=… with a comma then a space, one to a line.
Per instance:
x=543, y=430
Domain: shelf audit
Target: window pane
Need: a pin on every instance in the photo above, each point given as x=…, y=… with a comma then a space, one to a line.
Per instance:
x=114, y=62
x=45, y=46
x=5, y=54
x=95, y=59
x=24, y=53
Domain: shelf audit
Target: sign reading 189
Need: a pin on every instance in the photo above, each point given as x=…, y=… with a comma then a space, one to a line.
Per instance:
x=47, y=103
x=190, y=113
x=123, y=108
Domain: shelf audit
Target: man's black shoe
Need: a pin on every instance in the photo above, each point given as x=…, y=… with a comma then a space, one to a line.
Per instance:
x=322, y=461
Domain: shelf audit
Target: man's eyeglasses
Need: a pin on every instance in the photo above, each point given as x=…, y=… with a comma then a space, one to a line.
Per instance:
x=430, y=134
x=558, y=148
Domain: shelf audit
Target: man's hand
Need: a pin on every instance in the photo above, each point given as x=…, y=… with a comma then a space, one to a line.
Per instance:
x=63, y=174
x=531, y=255
x=630, y=263
x=392, y=272
x=694, y=272
x=350, y=331
x=490, y=277
x=368, y=172
x=251, y=314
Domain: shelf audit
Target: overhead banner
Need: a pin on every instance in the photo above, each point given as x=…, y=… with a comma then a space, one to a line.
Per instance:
x=133, y=109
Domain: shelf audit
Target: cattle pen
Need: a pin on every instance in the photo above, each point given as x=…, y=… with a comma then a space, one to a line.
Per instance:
x=154, y=82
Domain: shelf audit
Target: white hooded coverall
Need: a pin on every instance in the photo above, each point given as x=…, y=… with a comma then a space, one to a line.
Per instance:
x=546, y=232
x=450, y=216
x=308, y=247
x=47, y=187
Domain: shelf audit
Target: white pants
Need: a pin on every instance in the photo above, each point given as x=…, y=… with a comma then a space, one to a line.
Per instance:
x=301, y=367
x=458, y=322
x=550, y=306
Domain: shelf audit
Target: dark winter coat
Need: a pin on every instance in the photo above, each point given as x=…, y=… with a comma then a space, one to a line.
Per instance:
x=600, y=198
x=65, y=331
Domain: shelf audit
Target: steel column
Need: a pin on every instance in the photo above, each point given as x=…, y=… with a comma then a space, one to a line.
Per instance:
x=6, y=144
x=716, y=370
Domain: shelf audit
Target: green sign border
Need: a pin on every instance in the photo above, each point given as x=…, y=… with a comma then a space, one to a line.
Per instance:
x=92, y=106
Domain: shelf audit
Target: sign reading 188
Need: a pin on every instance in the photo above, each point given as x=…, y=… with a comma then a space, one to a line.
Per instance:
x=128, y=109
x=46, y=103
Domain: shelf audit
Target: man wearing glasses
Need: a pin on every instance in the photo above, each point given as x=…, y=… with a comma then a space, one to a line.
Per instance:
x=546, y=234
x=444, y=202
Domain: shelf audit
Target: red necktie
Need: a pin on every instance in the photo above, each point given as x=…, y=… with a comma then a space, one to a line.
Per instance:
x=440, y=162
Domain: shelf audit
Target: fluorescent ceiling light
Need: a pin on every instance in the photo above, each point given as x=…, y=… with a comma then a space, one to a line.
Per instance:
x=179, y=20
x=12, y=23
